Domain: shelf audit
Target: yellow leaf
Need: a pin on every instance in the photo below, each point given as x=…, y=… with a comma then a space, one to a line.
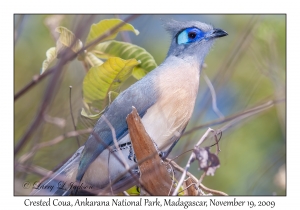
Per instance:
x=93, y=60
x=85, y=121
x=139, y=73
x=133, y=191
x=88, y=120
x=126, y=50
x=50, y=56
x=66, y=39
x=100, y=80
x=112, y=95
x=91, y=116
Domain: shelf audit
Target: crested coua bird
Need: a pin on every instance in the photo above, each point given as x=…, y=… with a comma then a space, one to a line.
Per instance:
x=164, y=100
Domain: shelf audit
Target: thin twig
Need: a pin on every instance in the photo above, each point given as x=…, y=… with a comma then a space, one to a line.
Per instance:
x=230, y=60
x=19, y=27
x=108, y=172
x=173, y=177
x=209, y=130
x=71, y=110
x=34, y=169
x=241, y=44
x=254, y=111
x=201, y=178
x=86, y=66
x=201, y=186
x=124, y=34
x=254, y=87
x=126, y=193
x=187, y=187
x=213, y=96
x=118, y=159
x=34, y=141
x=60, y=122
x=217, y=141
x=54, y=141
x=181, y=154
x=249, y=112
x=116, y=142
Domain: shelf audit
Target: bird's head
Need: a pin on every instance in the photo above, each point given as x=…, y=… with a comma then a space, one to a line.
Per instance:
x=192, y=39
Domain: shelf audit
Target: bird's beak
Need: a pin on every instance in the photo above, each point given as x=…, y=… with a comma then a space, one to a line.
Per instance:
x=216, y=33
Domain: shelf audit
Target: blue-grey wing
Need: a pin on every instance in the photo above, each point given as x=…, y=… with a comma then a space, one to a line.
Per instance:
x=142, y=95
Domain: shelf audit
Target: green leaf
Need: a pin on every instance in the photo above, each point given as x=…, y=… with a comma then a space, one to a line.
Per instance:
x=139, y=73
x=126, y=51
x=104, y=26
x=84, y=122
x=88, y=120
x=112, y=95
x=66, y=39
x=92, y=59
x=50, y=56
x=86, y=113
x=100, y=80
x=133, y=191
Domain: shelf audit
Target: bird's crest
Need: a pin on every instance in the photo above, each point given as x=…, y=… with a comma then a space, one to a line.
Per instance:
x=175, y=26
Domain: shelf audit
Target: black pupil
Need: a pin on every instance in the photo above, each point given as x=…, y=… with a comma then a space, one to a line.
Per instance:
x=192, y=35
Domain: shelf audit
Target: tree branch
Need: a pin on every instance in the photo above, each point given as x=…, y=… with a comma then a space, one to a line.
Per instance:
x=66, y=57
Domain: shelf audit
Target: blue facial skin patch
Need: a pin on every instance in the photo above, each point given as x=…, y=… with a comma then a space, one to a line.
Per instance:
x=190, y=35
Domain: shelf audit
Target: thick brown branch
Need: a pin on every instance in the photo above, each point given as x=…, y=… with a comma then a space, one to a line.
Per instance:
x=154, y=175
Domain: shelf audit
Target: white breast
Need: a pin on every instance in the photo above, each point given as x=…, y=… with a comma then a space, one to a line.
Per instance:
x=178, y=88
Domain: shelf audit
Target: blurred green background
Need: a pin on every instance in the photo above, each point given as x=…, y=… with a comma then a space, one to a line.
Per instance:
x=246, y=68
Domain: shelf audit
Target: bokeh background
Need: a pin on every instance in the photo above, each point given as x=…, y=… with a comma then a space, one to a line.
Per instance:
x=247, y=69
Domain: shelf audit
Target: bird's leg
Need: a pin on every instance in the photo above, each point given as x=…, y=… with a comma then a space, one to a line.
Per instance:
x=166, y=153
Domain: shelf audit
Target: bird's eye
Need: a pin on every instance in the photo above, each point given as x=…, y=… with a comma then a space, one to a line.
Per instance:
x=192, y=35
x=189, y=35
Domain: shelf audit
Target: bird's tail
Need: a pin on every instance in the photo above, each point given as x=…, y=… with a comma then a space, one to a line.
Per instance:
x=59, y=183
